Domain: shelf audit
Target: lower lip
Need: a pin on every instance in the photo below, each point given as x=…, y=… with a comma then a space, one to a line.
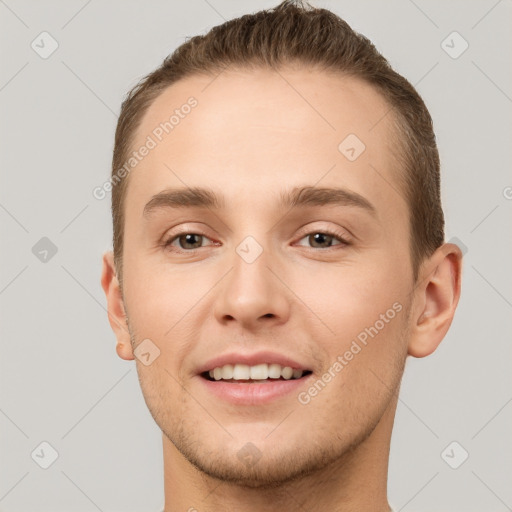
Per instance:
x=242, y=393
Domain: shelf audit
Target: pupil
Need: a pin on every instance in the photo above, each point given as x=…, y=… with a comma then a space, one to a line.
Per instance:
x=321, y=238
x=189, y=239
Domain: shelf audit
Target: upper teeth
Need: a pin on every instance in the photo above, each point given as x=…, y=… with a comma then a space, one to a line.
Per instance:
x=257, y=372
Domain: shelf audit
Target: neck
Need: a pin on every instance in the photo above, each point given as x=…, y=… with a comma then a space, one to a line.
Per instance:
x=356, y=481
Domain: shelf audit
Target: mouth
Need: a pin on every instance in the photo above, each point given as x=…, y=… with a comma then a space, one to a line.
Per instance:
x=260, y=373
x=255, y=379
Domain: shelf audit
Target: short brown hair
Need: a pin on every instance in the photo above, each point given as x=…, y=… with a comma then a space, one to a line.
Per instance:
x=295, y=32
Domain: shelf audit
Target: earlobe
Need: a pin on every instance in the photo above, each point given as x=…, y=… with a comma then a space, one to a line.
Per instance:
x=115, y=307
x=436, y=297
x=124, y=351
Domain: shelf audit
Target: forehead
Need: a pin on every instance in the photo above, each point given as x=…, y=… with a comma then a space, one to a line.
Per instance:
x=249, y=132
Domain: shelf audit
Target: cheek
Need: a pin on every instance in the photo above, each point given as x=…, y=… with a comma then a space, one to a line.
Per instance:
x=161, y=307
x=359, y=321
x=155, y=302
x=343, y=300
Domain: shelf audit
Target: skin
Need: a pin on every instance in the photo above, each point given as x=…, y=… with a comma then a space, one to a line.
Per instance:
x=252, y=136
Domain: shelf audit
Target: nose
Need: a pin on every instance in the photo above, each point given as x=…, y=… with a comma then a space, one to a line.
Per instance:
x=252, y=295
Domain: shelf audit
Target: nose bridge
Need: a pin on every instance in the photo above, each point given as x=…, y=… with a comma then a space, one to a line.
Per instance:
x=251, y=292
x=250, y=269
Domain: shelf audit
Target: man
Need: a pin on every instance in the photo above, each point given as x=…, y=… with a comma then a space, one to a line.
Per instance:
x=278, y=253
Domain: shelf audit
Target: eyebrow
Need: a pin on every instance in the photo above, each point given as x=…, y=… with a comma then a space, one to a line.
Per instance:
x=295, y=198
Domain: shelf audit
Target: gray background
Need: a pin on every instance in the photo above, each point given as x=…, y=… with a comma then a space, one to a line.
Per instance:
x=61, y=380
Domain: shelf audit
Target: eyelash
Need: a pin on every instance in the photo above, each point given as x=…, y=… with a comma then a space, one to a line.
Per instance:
x=340, y=237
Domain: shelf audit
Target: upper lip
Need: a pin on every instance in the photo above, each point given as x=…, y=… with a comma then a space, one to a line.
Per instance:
x=251, y=360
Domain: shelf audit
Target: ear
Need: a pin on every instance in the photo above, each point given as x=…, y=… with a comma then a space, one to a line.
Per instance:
x=436, y=297
x=115, y=306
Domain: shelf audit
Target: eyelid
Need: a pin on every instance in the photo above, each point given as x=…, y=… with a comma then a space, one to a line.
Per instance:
x=169, y=239
x=184, y=227
x=341, y=235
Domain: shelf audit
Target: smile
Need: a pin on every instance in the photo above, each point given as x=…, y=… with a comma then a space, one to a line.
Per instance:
x=252, y=374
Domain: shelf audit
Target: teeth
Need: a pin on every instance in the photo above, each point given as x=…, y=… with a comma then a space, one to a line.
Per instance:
x=274, y=371
x=297, y=374
x=287, y=373
x=240, y=372
x=259, y=372
x=227, y=371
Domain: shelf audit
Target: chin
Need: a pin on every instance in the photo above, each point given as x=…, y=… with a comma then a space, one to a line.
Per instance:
x=260, y=476
x=248, y=467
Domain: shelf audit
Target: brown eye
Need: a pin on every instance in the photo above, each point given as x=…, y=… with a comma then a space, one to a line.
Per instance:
x=324, y=240
x=186, y=241
x=320, y=240
x=190, y=239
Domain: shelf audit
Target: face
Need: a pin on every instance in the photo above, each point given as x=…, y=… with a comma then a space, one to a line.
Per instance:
x=261, y=274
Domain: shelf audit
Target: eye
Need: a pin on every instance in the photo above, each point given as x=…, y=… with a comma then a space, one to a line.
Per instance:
x=186, y=241
x=189, y=241
x=324, y=239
